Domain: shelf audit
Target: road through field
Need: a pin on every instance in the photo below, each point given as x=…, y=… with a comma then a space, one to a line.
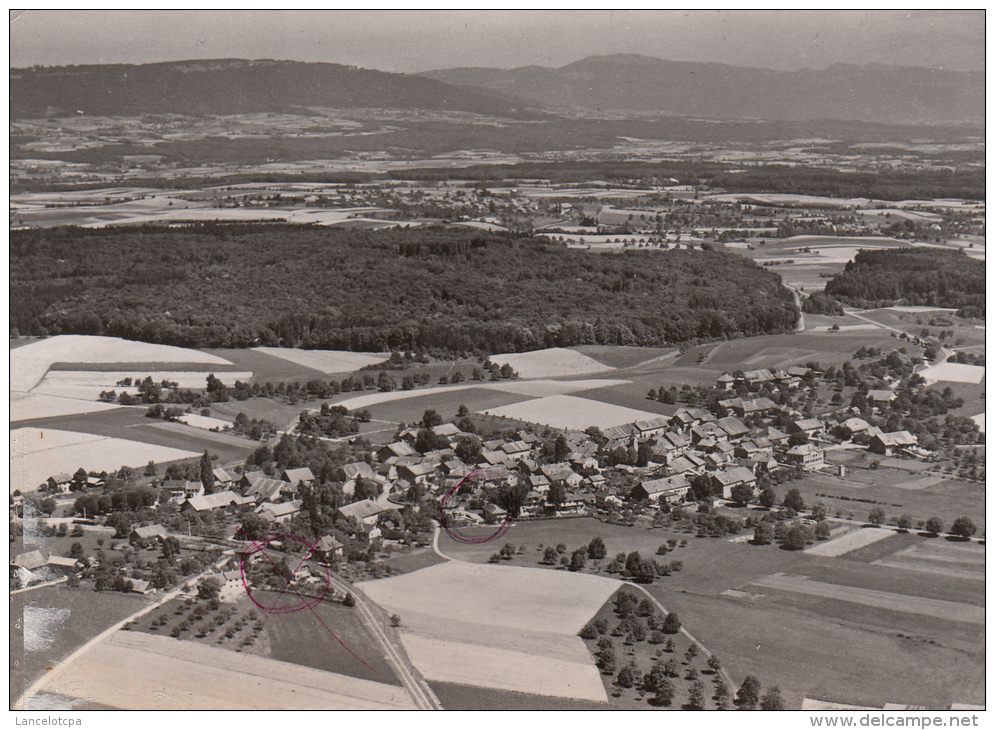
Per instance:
x=418, y=691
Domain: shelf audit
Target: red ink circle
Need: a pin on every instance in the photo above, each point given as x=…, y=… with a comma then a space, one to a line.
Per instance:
x=304, y=604
x=501, y=529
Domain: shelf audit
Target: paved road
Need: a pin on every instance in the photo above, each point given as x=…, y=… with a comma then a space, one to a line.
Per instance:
x=420, y=694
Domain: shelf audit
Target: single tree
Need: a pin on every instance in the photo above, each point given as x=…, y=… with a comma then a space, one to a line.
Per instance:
x=742, y=494
x=822, y=531
x=963, y=527
x=768, y=498
x=578, y=559
x=904, y=523
x=876, y=516
x=207, y=473
x=749, y=692
x=626, y=676
x=763, y=533
x=596, y=549
x=793, y=500
x=671, y=624
x=696, y=696
x=795, y=539
x=772, y=700
x=934, y=526
x=607, y=661
x=664, y=692
x=549, y=557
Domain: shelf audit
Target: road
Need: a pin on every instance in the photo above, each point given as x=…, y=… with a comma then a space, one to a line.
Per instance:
x=420, y=694
x=37, y=687
x=800, y=327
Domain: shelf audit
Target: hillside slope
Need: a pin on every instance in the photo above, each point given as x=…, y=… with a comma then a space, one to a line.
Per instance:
x=872, y=93
x=232, y=86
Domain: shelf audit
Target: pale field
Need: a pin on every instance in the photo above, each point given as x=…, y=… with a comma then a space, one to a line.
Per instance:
x=942, y=558
x=206, y=422
x=320, y=216
x=28, y=364
x=89, y=384
x=550, y=363
x=36, y=454
x=850, y=541
x=918, y=309
x=24, y=407
x=946, y=610
x=526, y=388
x=843, y=328
x=789, y=199
x=138, y=671
x=953, y=372
x=524, y=599
x=486, y=666
x=571, y=412
x=980, y=420
x=502, y=627
x=326, y=361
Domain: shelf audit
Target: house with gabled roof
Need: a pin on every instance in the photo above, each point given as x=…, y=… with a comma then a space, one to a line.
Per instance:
x=295, y=476
x=222, y=477
x=398, y=448
x=668, y=489
x=279, y=511
x=726, y=479
x=218, y=500
x=149, y=532
x=811, y=427
x=365, y=510
x=891, y=443
x=416, y=473
x=356, y=469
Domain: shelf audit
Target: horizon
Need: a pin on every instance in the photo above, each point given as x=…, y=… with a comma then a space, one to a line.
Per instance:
x=418, y=41
x=247, y=59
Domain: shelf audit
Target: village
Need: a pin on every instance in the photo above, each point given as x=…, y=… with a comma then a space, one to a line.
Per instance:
x=757, y=431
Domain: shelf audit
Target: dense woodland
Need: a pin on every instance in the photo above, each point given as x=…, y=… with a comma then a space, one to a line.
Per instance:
x=917, y=276
x=428, y=289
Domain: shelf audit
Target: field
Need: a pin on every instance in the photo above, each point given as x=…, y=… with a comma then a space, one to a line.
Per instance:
x=48, y=624
x=945, y=610
x=808, y=644
x=130, y=424
x=954, y=373
x=137, y=671
x=551, y=363
x=410, y=410
x=29, y=364
x=500, y=628
x=853, y=540
x=326, y=361
x=26, y=407
x=947, y=498
x=454, y=696
x=87, y=385
x=622, y=356
x=37, y=454
x=570, y=412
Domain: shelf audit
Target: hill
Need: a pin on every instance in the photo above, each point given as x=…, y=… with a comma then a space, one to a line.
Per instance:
x=917, y=276
x=233, y=86
x=441, y=290
x=872, y=93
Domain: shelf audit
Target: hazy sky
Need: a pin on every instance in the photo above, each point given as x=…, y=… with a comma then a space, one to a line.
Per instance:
x=418, y=40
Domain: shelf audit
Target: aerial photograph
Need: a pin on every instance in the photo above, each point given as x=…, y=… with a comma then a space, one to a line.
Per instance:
x=498, y=360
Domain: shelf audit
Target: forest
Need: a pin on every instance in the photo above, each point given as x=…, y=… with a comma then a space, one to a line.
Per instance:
x=916, y=276
x=435, y=290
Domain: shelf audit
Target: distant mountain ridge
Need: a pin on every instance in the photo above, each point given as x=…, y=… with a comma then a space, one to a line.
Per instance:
x=631, y=82
x=234, y=86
